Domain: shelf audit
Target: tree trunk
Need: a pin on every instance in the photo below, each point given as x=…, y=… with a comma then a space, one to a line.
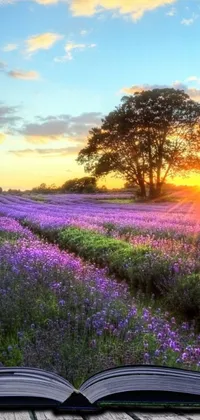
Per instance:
x=159, y=189
x=152, y=190
x=151, y=183
x=142, y=189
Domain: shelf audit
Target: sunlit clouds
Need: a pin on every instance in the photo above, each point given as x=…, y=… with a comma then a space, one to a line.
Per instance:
x=41, y=42
x=66, y=127
x=194, y=93
x=60, y=152
x=18, y=73
x=24, y=75
x=135, y=8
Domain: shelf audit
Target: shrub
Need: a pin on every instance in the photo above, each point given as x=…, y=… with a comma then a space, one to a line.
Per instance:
x=185, y=296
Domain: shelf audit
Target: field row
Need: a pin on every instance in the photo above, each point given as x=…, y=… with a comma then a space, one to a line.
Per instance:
x=58, y=311
x=165, y=263
x=177, y=221
x=171, y=275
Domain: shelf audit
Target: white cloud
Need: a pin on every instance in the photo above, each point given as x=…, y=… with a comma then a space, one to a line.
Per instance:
x=189, y=21
x=3, y=65
x=61, y=59
x=10, y=47
x=193, y=79
x=83, y=32
x=5, y=2
x=69, y=48
x=171, y=12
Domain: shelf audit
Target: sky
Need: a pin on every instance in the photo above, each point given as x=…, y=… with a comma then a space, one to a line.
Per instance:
x=64, y=64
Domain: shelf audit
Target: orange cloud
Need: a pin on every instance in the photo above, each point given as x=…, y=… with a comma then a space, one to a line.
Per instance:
x=194, y=93
x=37, y=139
x=135, y=8
x=23, y=75
x=133, y=89
x=41, y=42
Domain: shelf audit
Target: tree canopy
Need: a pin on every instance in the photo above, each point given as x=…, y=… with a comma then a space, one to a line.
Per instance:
x=86, y=184
x=149, y=136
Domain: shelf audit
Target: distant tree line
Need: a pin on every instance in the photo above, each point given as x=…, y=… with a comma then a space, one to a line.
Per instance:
x=87, y=184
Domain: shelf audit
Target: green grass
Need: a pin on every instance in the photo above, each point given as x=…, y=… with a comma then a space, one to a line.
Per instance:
x=142, y=267
x=40, y=199
x=8, y=236
x=147, y=272
x=117, y=200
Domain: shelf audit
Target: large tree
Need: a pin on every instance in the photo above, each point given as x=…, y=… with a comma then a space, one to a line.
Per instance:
x=149, y=136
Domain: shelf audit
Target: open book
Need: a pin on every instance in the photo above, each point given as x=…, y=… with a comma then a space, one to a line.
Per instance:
x=124, y=386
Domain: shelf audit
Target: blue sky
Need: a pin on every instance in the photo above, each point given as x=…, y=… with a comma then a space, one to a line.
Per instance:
x=65, y=64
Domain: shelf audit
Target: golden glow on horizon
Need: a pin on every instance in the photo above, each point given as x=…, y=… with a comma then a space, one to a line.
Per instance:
x=190, y=181
x=30, y=176
x=20, y=173
x=2, y=137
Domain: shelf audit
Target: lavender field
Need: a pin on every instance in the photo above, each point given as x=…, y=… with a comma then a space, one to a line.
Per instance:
x=87, y=285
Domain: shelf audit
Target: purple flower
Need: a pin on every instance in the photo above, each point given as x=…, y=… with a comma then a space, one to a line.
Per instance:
x=93, y=343
x=61, y=302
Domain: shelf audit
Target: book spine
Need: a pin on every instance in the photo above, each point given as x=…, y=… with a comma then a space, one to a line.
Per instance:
x=77, y=402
